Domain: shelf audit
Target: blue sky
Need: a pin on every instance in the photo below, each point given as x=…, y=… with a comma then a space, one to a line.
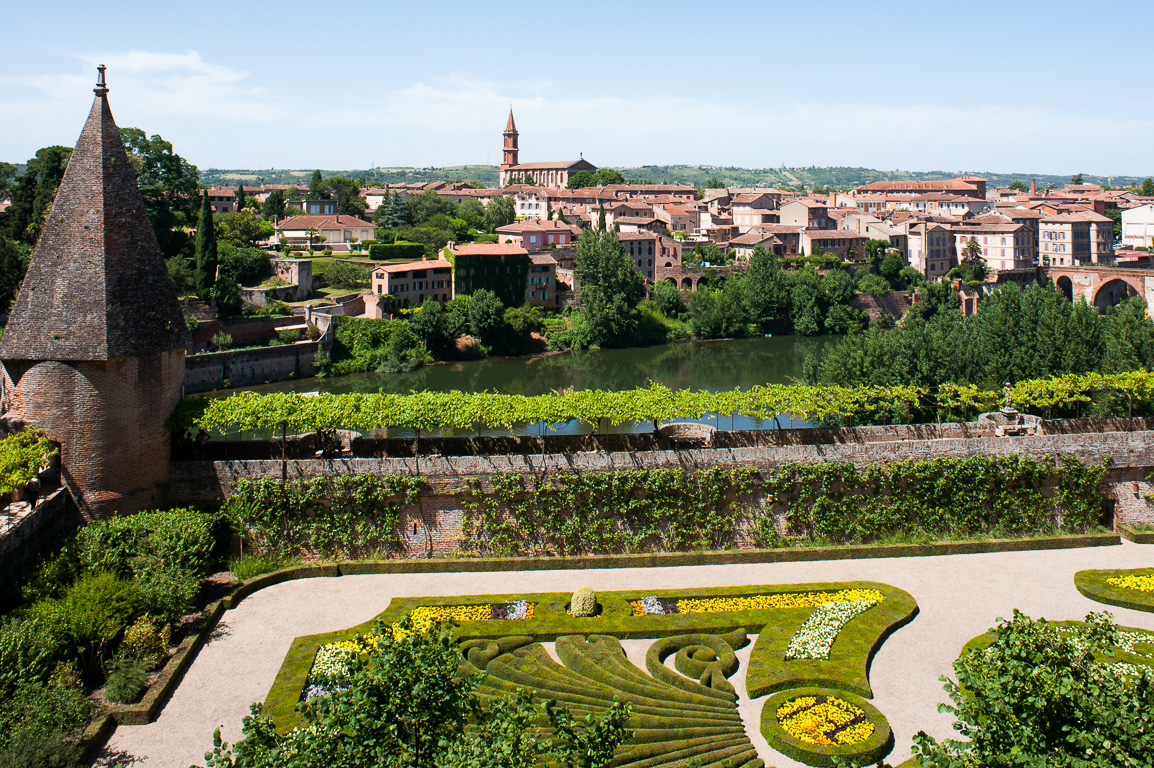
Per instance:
x=1041, y=87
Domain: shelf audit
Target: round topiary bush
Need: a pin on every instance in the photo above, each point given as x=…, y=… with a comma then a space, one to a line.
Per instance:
x=816, y=725
x=584, y=602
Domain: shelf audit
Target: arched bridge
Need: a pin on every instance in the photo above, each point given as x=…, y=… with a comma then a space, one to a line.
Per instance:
x=1103, y=286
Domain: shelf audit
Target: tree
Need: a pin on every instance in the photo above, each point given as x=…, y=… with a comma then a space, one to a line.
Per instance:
x=486, y=317
x=206, y=255
x=1018, y=186
x=432, y=327
x=1148, y=187
x=610, y=287
x=169, y=185
x=226, y=293
x=891, y=268
x=317, y=187
x=973, y=266
x=34, y=193
x=348, y=194
x=668, y=299
x=240, y=201
x=1076, y=178
x=500, y=212
x=245, y=228
x=766, y=287
x=406, y=706
x=13, y=265
x=1043, y=695
x=428, y=204
x=606, y=176
x=273, y=206
x=601, y=216
x=581, y=180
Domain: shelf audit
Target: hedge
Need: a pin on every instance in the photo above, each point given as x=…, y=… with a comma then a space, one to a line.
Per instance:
x=1145, y=536
x=550, y=622
x=397, y=252
x=1094, y=585
x=873, y=749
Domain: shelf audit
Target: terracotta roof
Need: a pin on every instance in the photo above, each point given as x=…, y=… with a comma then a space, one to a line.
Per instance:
x=676, y=210
x=744, y=199
x=834, y=234
x=407, y=266
x=960, y=184
x=637, y=236
x=510, y=126
x=1076, y=216
x=781, y=229
x=752, y=237
x=543, y=259
x=319, y=221
x=536, y=225
x=559, y=164
x=1002, y=229
x=637, y=220
x=96, y=287
x=489, y=249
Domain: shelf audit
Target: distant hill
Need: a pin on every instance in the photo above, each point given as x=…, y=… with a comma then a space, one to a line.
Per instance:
x=696, y=175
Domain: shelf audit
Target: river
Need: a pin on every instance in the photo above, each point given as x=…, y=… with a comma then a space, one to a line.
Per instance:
x=709, y=365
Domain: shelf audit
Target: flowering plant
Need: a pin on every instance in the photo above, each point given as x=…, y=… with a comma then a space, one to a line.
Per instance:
x=825, y=720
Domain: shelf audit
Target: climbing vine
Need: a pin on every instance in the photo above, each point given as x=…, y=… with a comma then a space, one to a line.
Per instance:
x=328, y=516
x=940, y=498
x=608, y=512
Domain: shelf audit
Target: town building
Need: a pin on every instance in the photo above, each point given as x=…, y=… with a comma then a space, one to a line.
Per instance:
x=541, y=287
x=539, y=234
x=807, y=213
x=929, y=246
x=1081, y=237
x=410, y=283
x=1138, y=227
x=970, y=186
x=553, y=175
x=499, y=267
x=337, y=228
x=846, y=244
x=1004, y=246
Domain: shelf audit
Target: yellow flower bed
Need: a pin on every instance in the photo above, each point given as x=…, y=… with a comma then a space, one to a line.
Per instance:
x=423, y=616
x=1140, y=583
x=762, y=602
x=824, y=720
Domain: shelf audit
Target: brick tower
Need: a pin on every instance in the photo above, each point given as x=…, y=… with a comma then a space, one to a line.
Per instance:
x=94, y=349
x=510, y=151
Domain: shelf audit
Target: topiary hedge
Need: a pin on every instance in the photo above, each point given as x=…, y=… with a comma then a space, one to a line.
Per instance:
x=1095, y=584
x=871, y=749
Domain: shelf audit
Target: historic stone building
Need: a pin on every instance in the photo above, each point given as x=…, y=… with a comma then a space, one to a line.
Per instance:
x=93, y=353
x=552, y=175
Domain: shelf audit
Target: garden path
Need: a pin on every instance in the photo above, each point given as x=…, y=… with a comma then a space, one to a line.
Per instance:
x=960, y=596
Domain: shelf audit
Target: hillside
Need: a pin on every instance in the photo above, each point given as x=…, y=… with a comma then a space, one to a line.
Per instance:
x=696, y=175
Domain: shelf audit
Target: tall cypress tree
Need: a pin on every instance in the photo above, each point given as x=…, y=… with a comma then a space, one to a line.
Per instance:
x=205, y=250
x=239, y=196
x=601, y=217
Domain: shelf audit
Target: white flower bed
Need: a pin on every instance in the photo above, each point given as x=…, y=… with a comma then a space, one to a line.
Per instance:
x=331, y=664
x=815, y=637
x=518, y=609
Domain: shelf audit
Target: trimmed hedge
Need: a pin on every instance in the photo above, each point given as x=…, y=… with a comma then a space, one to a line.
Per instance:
x=1138, y=537
x=1093, y=584
x=396, y=252
x=847, y=667
x=873, y=749
x=853, y=649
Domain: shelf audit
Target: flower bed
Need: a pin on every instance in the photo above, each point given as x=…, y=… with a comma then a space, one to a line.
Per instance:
x=665, y=606
x=1132, y=588
x=817, y=725
x=815, y=637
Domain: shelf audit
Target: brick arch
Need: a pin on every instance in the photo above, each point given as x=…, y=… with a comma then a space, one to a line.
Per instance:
x=1065, y=285
x=1115, y=290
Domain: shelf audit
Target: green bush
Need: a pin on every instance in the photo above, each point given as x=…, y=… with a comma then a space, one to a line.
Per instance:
x=167, y=594
x=127, y=680
x=584, y=602
x=97, y=608
x=31, y=645
x=174, y=540
x=144, y=641
x=250, y=566
x=397, y=251
x=249, y=266
x=36, y=717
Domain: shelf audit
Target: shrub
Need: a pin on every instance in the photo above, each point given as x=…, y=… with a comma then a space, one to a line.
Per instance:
x=397, y=251
x=250, y=566
x=248, y=265
x=167, y=594
x=96, y=609
x=171, y=540
x=127, y=680
x=145, y=642
x=36, y=717
x=584, y=602
x=221, y=340
x=287, y=337
x=31, y=645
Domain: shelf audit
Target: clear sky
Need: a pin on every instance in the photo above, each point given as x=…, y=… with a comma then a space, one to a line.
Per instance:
x=1009, y=86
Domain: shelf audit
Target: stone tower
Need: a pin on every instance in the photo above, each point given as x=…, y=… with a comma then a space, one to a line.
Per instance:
x=94, y=349
x=509, y=158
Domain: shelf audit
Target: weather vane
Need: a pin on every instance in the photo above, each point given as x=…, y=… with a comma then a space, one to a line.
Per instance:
x=101, y=87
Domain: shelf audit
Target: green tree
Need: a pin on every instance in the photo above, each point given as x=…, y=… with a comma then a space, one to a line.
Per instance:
x=13, y=265
x=500, y=212
x=891, y=268
x=581, y=180
x=226, y=292
x=406, y=706
x=973, y=266
x=273, y=206
x=1076, y=178
x=668, y=299
x=610, y=287
x=1040, y=696
x=33, y=194
x=169, y=185
x=240, y=197
x=206, y=252
x=1018, y=186
x=767, y=287
x=606, y=176
x=1147, y=189
x=601, y=216
x=245, y=228
x=428, y=204
x=431, y=325
x=348, y=194
x=486, y=317
x=318, y=190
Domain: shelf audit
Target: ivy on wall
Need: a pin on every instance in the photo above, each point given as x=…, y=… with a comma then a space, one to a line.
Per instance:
x=345, y=515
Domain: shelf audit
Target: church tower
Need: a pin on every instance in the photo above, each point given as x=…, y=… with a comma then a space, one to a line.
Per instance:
x=94, y=349
x=510, y=151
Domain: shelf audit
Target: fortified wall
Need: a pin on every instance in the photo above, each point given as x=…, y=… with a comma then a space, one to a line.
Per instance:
x=435, y=528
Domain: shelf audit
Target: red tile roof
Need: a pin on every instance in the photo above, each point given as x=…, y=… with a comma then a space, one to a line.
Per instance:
x=489, y=249
x=407, y=266
x=306, y=221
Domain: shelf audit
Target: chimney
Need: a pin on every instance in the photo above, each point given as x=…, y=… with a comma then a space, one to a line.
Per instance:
x=1033, y=187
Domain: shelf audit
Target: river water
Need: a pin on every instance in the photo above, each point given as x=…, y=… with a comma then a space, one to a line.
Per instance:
x=708, y=365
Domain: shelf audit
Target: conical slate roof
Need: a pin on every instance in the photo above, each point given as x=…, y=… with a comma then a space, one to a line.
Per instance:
x=97, y=287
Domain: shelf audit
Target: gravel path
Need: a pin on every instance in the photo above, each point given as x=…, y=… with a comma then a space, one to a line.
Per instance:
x=960, y=596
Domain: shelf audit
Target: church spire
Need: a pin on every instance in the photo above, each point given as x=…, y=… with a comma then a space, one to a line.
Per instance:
x=510, y=127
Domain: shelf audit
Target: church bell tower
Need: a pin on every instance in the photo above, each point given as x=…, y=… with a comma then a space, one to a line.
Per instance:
x=510, y=152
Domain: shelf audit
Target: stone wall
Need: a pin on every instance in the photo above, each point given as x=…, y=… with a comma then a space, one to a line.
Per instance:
x=435, y=527
x=22, y=542
x=245, y=367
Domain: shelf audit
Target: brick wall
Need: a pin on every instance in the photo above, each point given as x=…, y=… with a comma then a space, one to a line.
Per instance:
x=110, y=420
x=438, y=520
x=245, y=367
x=20, y=543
